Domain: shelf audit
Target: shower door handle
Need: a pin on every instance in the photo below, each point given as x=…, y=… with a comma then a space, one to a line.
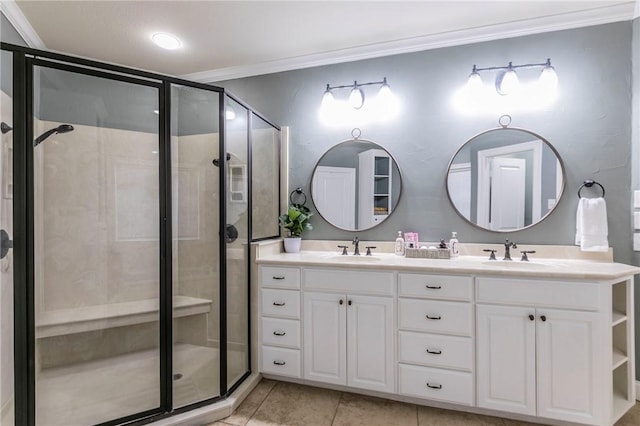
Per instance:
x=5, y=243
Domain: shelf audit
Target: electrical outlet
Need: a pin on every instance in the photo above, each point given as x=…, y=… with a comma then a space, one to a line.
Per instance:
x=636, y=241
x=636, y=220
x=636, y=199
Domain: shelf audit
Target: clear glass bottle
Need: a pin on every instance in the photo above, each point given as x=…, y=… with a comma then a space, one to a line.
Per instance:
x=399, y=249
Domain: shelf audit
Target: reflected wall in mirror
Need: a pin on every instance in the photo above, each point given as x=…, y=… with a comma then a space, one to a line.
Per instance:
x=356, y=185
x=505, y=179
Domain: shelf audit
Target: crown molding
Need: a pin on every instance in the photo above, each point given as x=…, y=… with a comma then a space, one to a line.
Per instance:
x=597, y=16
x=12, y=12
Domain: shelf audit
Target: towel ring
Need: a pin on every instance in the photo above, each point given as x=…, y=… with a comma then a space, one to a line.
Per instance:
x=298, y=192
x=589, y=183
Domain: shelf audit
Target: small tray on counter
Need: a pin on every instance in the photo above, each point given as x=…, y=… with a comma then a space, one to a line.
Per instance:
x=424, y=253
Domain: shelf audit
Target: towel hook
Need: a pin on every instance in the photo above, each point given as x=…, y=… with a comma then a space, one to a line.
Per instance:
x=589, y=183
x=298, y=192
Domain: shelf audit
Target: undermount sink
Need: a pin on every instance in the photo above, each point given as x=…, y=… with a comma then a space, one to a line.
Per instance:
x=352, y=258
x=515, y=264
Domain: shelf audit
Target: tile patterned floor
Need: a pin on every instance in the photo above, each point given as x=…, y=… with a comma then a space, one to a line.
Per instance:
x=274, y=403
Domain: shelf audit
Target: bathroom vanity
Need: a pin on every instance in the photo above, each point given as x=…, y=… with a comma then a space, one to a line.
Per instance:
x=548, y=340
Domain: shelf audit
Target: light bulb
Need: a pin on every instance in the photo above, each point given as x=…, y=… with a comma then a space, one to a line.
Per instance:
x=474, y=82
x=327, y=99
x=507, y=82
x=356, y=97
x=385, y=95
x=548, y=78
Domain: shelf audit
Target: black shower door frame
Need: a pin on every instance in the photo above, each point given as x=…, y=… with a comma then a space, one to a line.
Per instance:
x=24, y=60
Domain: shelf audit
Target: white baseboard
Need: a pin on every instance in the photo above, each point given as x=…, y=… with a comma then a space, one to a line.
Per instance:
x=637, y=390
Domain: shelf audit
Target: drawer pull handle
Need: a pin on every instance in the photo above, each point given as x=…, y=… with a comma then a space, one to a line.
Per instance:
x=436, y=352
x=279, y=333
x=429, y=385
x=276, y=362
x=434, y=318
x=278, y=303
x=278, y=277
x=434, y=287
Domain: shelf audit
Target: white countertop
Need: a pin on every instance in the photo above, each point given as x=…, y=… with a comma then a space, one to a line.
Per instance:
x=476, y=265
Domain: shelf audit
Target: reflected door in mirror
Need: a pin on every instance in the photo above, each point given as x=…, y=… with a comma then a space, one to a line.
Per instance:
x=334, y=190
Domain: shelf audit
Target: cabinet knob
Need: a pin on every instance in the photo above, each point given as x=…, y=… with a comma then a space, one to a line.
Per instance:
x=279, y=333
x=531, y=317
x=278, y=303
x=276, y=362
x=434, y=352
x=434, y=317
x=429, y=385
x=543, y=318
x=341, y=301
x=349, y=302
x=434, y=287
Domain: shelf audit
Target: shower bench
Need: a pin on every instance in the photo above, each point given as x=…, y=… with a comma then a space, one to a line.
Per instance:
x=98, y=317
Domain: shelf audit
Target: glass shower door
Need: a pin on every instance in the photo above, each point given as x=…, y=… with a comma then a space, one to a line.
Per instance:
x=6, y=231
x=96, y=246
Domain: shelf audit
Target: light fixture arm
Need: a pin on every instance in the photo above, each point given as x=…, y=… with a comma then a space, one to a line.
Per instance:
x=357, y=85
x=511, y=66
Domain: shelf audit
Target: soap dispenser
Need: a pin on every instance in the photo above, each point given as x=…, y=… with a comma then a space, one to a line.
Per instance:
x=454, y=250
x=399, y=249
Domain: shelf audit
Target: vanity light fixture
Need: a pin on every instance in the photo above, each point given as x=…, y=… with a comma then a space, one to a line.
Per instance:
x=356, y=96
x=507, y=80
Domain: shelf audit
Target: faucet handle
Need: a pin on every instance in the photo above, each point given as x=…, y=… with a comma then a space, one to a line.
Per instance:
x=344, y=250
x=369, y=250
x=524, y=255
x=493, y=254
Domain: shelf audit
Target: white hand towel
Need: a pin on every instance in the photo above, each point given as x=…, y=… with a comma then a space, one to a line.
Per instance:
x=591, y=225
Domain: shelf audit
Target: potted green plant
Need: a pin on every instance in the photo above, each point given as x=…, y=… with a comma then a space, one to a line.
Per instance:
x=295, y=221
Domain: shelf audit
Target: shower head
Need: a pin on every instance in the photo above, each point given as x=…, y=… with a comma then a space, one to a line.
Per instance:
x=63, y=128
x=216, y=161
x=5, y=128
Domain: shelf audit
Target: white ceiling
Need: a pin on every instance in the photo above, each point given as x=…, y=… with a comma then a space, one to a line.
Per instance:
x=229, y=39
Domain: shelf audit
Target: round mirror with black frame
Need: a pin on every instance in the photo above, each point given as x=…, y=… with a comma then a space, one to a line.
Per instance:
x=356, y=185
x=505, y=179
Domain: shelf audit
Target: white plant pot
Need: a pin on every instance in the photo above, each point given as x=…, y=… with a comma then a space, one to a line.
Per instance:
x=292, y=244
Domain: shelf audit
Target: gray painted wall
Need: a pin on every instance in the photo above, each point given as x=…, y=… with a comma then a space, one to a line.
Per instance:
x=590, y=126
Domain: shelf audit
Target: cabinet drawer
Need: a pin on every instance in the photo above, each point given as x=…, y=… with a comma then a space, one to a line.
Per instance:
x=561, y=294
x=436, y=350
x=281, y=332
x=279, y=277
x=285, y=362
x=435, y=316
x=435, y=286
x=349, y=281
x=281, y=303
x=434, y=383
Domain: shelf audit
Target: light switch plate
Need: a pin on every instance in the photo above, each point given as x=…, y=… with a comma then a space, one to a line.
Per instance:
x=636, y=220
x=636, y=199
x=636, y=241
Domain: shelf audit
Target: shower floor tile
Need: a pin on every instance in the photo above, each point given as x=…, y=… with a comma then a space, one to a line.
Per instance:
x=97, y=391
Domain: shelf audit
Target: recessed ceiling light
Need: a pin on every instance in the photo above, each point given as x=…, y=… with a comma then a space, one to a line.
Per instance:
x=166, y=41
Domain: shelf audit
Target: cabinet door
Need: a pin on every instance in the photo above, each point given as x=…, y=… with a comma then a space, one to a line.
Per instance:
x=370, y=343
x=325, y=337
x=571, y=385
x=506, y=358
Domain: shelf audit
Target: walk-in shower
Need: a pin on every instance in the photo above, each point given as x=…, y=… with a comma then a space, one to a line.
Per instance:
x=131, y=251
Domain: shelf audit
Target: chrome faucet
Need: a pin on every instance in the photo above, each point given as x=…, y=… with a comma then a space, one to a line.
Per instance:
x=507, y=247
x=356, y=242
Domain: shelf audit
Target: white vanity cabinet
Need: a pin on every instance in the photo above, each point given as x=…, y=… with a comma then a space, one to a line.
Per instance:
x=280, y=321
x=348, y=335
x=542, y=349
x=435, y=344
